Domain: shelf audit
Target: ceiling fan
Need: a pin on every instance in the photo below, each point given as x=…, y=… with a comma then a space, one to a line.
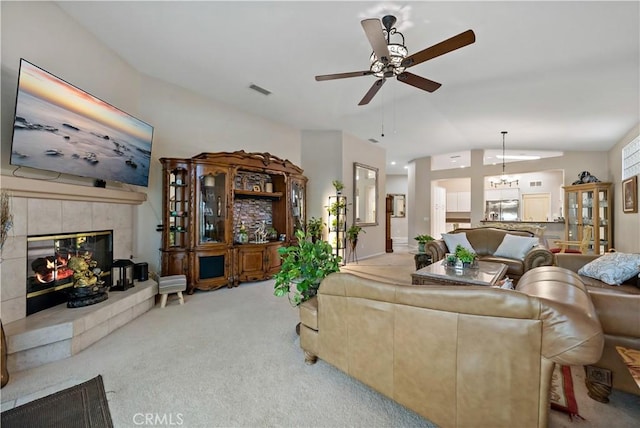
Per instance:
x=390, y=59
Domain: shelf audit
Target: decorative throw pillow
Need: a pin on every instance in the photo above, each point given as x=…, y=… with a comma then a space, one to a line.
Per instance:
x=612, y=268
x=454, y=239
x=515, y=247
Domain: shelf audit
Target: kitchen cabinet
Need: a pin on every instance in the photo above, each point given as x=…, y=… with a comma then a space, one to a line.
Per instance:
x=458, y=202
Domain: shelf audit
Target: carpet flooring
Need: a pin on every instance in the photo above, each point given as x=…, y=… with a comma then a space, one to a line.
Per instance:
x=231, y=358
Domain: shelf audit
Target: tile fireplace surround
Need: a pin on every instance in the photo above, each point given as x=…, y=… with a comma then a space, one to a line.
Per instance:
x=40, y=208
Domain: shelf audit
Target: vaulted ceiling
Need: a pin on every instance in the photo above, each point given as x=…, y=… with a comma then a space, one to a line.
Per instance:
x=556, y=75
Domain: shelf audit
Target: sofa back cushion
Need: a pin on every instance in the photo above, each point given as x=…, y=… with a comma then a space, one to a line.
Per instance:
x=486, y=240
x=515, y=247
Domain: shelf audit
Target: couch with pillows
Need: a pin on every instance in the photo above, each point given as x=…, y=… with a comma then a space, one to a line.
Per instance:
x=469, y=356
x=614, y=286
x=520, y=250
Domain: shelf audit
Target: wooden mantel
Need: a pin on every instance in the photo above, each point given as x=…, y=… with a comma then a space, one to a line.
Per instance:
x=39, y=189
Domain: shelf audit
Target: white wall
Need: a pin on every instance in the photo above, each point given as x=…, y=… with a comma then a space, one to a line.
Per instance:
x=355, y=150
x=626, y=226
x=322, y=159
x=328, y=156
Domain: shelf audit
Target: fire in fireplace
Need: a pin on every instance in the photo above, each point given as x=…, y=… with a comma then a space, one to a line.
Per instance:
x=48, y=270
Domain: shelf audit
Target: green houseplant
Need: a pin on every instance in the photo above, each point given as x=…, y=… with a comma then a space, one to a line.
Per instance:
x=337, y=207
x=338, y=185
x=422, y=240
x=466, y=256
x=353, y=232
x=304, y=266
x=314, y=228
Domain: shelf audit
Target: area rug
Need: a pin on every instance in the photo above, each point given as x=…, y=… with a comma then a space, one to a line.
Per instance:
x=561, y=394
x=81, y=406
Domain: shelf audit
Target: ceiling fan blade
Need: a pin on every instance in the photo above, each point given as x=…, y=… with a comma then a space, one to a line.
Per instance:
x=343, y=75
x=418, y=82
x=373, y=30
x=455, y=42
x=372, y=92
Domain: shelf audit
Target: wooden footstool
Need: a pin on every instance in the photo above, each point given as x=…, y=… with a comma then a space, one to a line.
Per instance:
x=171, y=284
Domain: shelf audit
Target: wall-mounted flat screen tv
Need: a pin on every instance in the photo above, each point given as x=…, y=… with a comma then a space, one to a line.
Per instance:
x=59, y=127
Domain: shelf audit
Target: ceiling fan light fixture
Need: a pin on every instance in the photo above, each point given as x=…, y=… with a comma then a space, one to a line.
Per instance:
x=397, y=53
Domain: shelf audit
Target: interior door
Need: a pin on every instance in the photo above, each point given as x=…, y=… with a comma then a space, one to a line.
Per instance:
x=536, y=206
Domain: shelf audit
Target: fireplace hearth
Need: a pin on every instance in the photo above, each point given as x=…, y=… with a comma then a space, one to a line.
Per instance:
x=53, y=276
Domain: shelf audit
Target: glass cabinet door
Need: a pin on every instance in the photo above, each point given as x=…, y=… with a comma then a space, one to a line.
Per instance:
x=603, y=221
x=178, y=207
x=297, y=205
x=572, y=215
x=212, y=214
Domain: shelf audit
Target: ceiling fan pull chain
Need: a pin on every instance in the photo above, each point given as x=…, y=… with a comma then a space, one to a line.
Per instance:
x=382, y=110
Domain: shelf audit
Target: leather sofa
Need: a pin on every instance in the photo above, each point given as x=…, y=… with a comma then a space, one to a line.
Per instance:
x=618, y=309
x=486, y=240
x=458, y=356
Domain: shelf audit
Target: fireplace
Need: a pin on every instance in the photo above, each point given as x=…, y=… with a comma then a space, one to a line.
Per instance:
x=48, y=273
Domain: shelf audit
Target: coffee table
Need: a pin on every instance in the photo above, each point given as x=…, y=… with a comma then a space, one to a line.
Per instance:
x=487, y=274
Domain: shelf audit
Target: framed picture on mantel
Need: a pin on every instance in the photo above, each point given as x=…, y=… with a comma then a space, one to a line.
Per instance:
x=630, y=195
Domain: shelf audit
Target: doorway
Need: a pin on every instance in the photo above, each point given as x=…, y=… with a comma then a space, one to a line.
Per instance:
x=536, y=206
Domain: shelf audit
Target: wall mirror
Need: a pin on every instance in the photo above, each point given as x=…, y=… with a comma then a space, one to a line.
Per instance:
x=365, y=197
x=399, y=205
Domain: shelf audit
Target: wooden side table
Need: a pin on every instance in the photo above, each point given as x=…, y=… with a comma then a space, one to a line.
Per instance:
x=631, y=358
x=421, y=259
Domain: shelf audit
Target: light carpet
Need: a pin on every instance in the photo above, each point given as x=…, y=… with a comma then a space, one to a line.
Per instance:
x=231, y=358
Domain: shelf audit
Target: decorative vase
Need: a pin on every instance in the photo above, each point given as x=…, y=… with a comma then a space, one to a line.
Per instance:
x=421, y=246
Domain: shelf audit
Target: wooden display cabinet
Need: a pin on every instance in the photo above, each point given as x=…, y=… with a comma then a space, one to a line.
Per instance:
x=207, y=200
x=589, y=204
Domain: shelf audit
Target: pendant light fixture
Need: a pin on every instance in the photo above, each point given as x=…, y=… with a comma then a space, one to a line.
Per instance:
x=503, y=180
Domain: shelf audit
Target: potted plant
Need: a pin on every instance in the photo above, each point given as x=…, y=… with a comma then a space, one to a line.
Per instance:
x=450, y=260
x=353, y=232
x=422, y=240
x=304, y=266
x=338, y=185
x=337, y=207
x=314, y=228
x=466, y=256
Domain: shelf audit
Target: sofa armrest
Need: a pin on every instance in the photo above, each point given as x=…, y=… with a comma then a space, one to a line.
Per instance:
x=572, y=333
x=436, y=249
x=538, y=256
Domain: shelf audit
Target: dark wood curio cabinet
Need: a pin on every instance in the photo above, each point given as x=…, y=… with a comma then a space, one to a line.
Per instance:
x=226, y=214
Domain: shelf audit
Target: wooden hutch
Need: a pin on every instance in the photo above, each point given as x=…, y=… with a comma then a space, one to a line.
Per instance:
x=210, y=198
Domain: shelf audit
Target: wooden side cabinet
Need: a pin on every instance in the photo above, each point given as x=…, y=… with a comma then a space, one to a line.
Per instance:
x=226, y=214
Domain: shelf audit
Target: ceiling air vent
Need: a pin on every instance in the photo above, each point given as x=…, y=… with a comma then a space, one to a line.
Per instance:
x=373, y=140
x=257, y=88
